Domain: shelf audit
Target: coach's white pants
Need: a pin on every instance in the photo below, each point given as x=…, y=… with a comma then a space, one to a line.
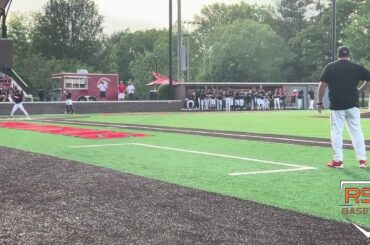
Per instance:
x=352, y=118
x=18, y=106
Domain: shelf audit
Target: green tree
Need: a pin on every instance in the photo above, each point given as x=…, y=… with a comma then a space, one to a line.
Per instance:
x=19, y=30
x=127, y=46
x=106, y=58
x=312, y=47
x=69, y=29
x=245, y=51
x=216, y=15
x=312, y=51
x=219, y=14
x=34, y=68
x=36, y=71
x=142, y=68
x=357, y=34
x=144, y=64
x=293, y=17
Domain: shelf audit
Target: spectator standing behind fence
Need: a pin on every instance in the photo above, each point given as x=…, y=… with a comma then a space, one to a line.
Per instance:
x=121, y=91
x=254, y=98
x=240, y=99
x=311, y=99
x=277, y=99
x=236, y=100
x=69, y=103
x=102, y=86
x=293, y=98
x=130, y=90
x=202, y=100
x=283, y=99
x=197, y=99
x=212, y=101
x=300, y=99
x=219, y=101
x=267, y=101
x=241, y=103
x=206, y=100
x=248, y=100
x=18, y=104
x=228, y=99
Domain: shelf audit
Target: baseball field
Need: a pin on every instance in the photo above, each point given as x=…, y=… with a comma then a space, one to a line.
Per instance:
x=188, y=178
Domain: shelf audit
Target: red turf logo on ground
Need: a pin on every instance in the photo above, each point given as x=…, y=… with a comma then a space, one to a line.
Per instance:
x=70, y=131
x=355, y=197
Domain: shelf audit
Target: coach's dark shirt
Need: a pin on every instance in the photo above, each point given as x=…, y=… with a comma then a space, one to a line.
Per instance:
x=342, y=77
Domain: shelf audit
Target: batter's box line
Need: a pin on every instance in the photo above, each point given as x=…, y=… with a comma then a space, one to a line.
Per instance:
x=293, y=167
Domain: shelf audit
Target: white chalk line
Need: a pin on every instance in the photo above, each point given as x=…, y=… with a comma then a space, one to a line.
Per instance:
x=274, y=171
x=294, y=166
x=206, y=133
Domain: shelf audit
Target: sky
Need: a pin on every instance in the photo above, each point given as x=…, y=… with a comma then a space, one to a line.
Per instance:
x=135, y=14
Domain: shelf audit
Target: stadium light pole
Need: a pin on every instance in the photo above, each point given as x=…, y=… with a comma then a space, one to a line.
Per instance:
x=4, y=9
x=156, y=64
x=170, y=92
x=4, y=27
x=179, y=42
x=334, y=22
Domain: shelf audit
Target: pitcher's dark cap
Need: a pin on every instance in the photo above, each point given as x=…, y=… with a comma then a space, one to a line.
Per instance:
x=343, y=51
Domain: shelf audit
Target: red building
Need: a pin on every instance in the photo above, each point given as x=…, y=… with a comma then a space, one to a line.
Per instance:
x=84, y=86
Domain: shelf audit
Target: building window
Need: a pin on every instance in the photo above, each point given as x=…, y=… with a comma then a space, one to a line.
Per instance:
x=75, y=83
x=57, y=85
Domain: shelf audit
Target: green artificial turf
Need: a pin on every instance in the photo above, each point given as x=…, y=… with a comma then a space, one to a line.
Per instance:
x=299, y=123
x=313, y=192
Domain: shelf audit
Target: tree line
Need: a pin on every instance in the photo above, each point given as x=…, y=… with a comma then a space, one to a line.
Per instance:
x=286, y=42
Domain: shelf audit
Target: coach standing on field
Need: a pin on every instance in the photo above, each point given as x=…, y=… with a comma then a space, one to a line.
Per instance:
x=342, y=78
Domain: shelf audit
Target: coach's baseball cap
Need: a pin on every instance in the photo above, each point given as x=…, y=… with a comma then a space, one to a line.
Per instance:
x=343, y=51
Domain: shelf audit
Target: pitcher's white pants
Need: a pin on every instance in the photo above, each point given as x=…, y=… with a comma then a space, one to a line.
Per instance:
x=352, y=118
x=18, y=106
